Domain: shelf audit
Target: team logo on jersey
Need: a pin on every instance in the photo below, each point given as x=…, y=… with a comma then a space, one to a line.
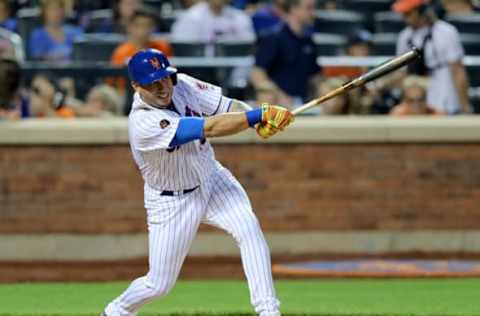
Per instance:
x=190, y=112
x=202, y=85
x=164, y=123
x=155, y=63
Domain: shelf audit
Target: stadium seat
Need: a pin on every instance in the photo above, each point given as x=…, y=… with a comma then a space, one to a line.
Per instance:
x=96, y=47
x=388, y=22
x=466, y=23
x=384, y=44
x=188, y=49
x=329, y=44
x=474, y=75
x=367, y=7
x=28, y=20
x=471, y=43
x=338, y=22
x=97, y=17
x=232, y=48
x=167, y=19
x=155, y=4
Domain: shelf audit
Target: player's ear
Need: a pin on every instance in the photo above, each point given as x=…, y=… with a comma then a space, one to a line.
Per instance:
x=134, y=84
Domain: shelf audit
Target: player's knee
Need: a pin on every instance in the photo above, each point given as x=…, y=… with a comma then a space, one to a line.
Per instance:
x=249, y=229
x=160, y=288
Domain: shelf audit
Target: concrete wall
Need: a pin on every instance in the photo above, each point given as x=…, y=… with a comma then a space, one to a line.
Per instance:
x=352, y=185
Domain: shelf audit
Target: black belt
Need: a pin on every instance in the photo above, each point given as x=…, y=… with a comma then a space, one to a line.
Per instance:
x=177, y=193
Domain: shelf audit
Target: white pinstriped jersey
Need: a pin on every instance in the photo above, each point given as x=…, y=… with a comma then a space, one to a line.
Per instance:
x=152, y=129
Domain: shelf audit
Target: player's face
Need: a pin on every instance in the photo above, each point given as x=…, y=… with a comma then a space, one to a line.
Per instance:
x=157, y=94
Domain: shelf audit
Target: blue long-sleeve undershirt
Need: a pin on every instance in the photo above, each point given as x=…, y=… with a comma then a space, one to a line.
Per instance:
x=188, y=129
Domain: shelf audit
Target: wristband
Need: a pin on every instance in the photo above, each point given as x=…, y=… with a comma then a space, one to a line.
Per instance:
x=254, y=116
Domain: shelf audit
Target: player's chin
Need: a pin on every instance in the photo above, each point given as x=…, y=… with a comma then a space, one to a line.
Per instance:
x=163, y=102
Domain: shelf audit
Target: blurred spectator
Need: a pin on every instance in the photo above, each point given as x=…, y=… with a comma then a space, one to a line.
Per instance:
x=12, y=103
x=6, y=47
x=212, y=20
x=140, y=31
x=414, y=101
x=458, y=7
x=6, y=20
x=48, y=98
x=122, y=12
x=186, y=4
x=244, y=5
x=268, y=16
x=359, y=44
x=286, y=57
x=443, y=55
x=102, y=101
x=329, y=5
x=54, y=40
x=345, y=104
x=266, y=93
x=339, y=105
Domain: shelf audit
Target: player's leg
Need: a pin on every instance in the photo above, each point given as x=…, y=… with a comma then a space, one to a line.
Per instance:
x=229, y=208
x=172, y=228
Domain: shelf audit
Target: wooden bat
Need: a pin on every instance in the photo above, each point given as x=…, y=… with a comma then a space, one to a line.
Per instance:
x=377, y=72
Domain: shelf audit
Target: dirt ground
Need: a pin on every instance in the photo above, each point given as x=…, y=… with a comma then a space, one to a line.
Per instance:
x=194, y=268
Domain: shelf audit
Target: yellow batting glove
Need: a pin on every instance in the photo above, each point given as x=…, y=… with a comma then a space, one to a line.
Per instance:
x=274, y=118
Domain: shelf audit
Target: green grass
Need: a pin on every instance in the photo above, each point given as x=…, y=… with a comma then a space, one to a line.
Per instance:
x=443, y=297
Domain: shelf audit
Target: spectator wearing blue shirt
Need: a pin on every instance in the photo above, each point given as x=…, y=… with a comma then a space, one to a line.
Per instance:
x=54, y=40
x=6, y=21
x=268, y=16
x=286, y=56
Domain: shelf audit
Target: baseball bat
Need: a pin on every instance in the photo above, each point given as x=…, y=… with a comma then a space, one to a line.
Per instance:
x=377, y=72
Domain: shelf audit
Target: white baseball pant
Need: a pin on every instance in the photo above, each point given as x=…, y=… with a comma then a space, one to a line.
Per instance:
x=173, y=222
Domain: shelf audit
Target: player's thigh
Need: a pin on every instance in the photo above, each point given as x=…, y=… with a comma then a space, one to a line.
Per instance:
x=172, y=226
x=229, y=207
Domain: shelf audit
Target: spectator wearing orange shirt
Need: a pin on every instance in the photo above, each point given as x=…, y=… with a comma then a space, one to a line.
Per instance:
x=140, y=30
x=414, y=101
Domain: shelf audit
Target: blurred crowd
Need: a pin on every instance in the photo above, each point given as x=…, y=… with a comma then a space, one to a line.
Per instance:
x=283, y=36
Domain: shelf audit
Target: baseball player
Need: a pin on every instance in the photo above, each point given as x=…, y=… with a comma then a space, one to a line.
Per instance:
x=172, y=117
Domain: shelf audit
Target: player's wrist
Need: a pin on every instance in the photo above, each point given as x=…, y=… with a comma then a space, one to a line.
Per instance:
x=254, y=117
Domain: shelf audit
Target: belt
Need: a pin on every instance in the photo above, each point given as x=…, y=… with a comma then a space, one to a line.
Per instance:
x=177, y=193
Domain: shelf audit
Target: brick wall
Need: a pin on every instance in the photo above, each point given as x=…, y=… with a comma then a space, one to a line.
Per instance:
x=97, y=189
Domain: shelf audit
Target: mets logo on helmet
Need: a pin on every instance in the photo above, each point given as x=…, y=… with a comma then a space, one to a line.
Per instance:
x=155, y=63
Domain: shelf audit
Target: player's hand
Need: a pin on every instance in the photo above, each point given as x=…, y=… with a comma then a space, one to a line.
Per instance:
x=274, y=118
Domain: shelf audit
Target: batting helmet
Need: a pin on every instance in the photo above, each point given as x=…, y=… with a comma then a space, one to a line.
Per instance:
x=150, y=65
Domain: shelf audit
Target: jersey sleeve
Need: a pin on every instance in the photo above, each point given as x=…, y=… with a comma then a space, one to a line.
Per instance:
x=151, y=130
x=208, y=97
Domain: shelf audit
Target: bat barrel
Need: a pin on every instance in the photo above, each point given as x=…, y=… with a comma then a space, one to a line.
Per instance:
x=388, y=66
x=379, y=71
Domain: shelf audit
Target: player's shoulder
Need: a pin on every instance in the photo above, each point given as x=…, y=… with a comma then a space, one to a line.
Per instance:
x=186, y=82
x=445, y=29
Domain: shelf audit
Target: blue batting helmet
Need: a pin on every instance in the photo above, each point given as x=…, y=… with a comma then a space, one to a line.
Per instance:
x=148, y=66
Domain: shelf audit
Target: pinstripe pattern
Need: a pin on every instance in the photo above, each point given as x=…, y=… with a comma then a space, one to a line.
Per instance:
x=229, y=209
x=173, y=220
